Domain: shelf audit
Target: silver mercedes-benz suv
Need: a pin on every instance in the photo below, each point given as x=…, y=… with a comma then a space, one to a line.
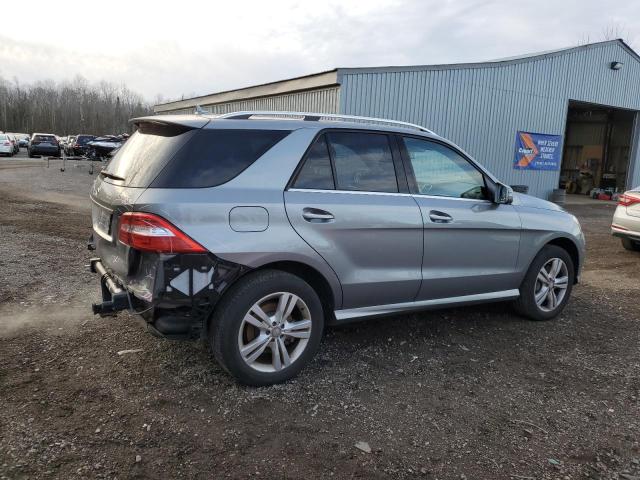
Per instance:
x=254, y=230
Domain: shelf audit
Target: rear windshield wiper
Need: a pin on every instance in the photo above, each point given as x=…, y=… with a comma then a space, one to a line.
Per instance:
x=111, y=175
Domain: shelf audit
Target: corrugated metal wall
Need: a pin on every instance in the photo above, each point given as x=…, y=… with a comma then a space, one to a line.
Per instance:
x=321, y=100
x=481, y=108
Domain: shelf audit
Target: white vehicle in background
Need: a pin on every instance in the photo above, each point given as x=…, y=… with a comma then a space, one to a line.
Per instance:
x=14, y=142
x=626, y=220
x=6, y=146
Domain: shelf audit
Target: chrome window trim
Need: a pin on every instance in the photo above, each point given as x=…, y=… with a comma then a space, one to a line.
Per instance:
x=398, y=194
x=351, y=192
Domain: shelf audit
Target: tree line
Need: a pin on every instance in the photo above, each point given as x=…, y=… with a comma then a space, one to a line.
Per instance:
x=69, y=107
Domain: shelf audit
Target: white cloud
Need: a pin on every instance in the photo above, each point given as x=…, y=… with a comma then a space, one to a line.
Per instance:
x=198, y=47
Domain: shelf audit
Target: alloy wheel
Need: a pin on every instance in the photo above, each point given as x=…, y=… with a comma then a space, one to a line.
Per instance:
x=551, y=284
x=274, y=332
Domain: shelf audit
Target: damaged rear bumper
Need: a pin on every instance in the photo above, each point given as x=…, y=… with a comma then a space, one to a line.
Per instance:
x=174, y=294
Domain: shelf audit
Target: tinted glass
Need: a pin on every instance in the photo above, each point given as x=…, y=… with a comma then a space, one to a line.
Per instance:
x=316, y=171
x=213, y=157
x=82, y=139
x=45, y=138
x=363, y=162
x=3, y=137
x=146, y=153
x=442, y=172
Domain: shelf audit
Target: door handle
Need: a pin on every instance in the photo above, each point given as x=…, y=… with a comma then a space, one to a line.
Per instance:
x=315, y=215
x=440, y=217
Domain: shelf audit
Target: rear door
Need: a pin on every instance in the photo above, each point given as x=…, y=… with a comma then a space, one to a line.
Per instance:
x=349, y=201
x=470, y=243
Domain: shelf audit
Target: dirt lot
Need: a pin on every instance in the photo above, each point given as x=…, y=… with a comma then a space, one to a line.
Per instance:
x=465, y=393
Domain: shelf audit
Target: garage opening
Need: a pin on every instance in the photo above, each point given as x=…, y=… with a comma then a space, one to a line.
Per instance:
x=597, y=149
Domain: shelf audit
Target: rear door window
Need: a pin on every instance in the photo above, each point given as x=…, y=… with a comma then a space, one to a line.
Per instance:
x=316, y=171
x=363, y=162
x=213, y=157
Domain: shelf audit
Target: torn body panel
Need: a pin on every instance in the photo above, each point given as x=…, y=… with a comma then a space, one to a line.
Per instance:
x=175, y=294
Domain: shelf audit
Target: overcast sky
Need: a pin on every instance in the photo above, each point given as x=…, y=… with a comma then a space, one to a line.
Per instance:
x=191, y=47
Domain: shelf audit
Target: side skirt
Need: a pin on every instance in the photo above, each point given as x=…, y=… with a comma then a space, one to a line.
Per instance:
x=380, y=310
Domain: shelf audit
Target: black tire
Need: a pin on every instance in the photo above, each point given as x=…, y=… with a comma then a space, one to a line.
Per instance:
x=526, y=304
x=227, y=321
x=630, y=245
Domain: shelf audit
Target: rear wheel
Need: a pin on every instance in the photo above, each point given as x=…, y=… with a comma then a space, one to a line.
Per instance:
x=547, y=285
x=267, y=327
x=631, y=245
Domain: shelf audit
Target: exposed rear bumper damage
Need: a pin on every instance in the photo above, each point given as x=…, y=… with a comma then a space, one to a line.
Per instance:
x=175, y=294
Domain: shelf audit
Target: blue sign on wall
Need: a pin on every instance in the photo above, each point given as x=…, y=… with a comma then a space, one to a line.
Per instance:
x=537, y=151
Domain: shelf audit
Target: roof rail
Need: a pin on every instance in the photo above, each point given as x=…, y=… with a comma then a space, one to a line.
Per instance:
x=315, y=117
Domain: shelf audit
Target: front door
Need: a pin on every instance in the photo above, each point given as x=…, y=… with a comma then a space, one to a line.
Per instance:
x=346, y=203
x=470, y=243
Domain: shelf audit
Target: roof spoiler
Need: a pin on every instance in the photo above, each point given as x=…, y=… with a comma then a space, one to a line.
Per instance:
x=188, y=121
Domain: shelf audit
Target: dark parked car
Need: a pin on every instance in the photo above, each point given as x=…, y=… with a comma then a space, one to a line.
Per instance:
x=78, y=146
x=101, y=147
x=43, y=144
x=24, y=141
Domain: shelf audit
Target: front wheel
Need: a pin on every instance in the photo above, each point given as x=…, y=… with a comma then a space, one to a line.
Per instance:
x=267, y=327
x=547, y=285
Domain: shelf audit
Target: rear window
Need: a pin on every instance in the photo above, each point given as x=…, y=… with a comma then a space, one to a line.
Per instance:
x=213, y=157
x=45, y=138
x=3, y=137
x=146, y=153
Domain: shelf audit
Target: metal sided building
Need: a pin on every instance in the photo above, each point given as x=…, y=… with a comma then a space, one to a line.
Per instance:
x=563, y=118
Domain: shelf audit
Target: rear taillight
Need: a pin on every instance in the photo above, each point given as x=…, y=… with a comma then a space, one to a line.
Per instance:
x=6, y=143
x=150, y=233
x=628, y=199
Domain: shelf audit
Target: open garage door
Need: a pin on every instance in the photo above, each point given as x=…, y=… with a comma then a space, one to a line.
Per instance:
x=597, y=148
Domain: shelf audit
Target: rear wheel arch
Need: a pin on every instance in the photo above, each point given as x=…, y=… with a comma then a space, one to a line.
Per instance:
x=310, y=275
x=313, y=277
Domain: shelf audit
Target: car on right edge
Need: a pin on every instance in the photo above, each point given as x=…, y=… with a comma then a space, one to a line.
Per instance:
x=626, y=220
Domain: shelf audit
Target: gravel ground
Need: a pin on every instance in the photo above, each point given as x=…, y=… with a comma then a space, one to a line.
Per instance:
x=463, y=393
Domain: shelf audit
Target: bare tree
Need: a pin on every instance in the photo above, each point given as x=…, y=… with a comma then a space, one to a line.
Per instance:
x=69, y=107
x=612, y=31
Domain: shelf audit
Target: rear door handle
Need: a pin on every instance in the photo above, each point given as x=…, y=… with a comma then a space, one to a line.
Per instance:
x=440, y=217
x=315, y=215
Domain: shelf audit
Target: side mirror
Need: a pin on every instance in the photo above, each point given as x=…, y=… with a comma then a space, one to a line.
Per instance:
x=504, y=194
